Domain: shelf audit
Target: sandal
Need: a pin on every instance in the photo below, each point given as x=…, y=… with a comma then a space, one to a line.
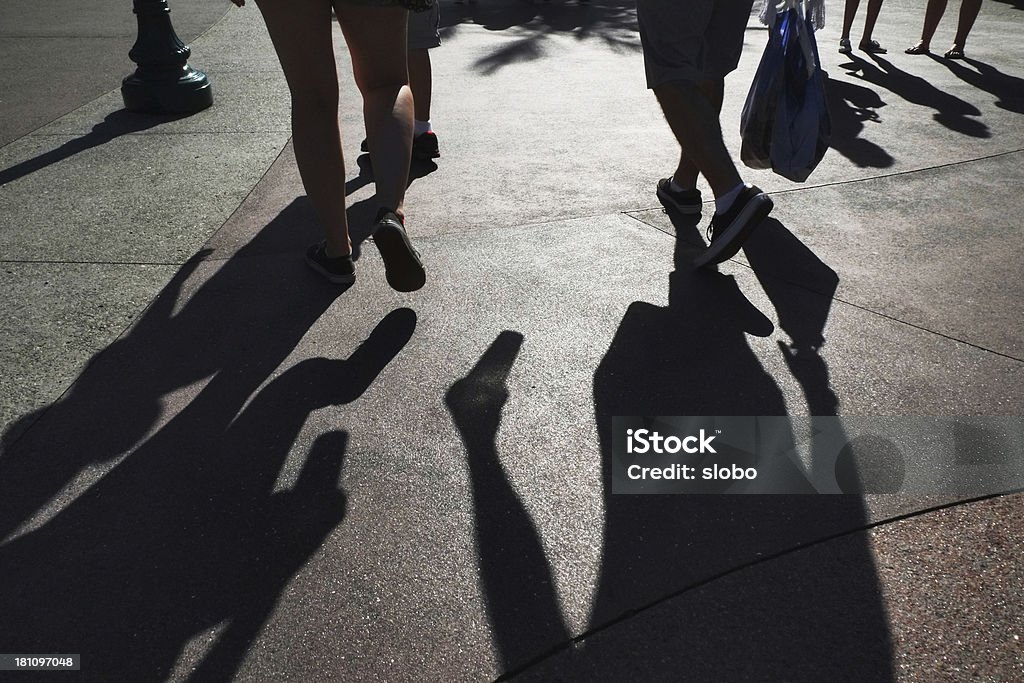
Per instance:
x=919, y=49
x=955, y=53
x=872, y=47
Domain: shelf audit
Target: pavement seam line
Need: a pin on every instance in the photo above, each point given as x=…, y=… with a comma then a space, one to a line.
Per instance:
x=852, y=181
x=629, y=614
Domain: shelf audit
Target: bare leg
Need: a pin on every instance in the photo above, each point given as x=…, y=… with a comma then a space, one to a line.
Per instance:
x=686, y=172
x=848, y=16
x=421, y=82
x=376, y=38
x=301, y=33
x=932, y=14
x=694, y=121
x=874, y=7
x=969, y=10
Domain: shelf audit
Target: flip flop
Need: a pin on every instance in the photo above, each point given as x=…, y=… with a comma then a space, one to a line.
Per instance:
x=954, y=53
x=918, y=49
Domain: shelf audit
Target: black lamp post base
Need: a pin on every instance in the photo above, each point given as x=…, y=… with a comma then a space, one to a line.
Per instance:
x=182, y=92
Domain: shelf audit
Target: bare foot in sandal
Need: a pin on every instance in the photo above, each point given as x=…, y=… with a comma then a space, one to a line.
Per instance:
x=955, y=52
x=922, y=48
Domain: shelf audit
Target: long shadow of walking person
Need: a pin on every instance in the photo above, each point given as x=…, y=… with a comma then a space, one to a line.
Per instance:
x=188, y=534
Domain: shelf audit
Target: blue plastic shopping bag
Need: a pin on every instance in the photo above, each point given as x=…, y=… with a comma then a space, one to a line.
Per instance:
x=785, y=124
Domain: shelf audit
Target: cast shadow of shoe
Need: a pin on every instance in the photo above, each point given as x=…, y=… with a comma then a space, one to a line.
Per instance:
x=142, y=510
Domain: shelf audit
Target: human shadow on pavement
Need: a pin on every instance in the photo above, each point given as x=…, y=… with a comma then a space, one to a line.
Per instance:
x=116, y=124
x=611, y=21
x=184, y=535
x=515, y=575
x=852, y=107
x=950, y=111
x=1008, y=89
x=688, y=358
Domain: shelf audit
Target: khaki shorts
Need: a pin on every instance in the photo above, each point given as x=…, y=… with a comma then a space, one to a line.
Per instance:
x=691, y=40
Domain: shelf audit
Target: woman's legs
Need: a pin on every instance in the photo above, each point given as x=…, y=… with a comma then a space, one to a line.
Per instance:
x=848, y=16
x=376, y=38
x=968, y=13
x=932, y=14
x=874, y=7
x=301, y=33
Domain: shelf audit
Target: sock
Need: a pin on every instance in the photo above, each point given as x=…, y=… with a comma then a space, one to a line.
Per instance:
x=723, y=203
x=422, y=127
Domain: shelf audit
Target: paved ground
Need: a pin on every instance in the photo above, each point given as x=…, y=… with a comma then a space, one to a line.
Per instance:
x=214, y=466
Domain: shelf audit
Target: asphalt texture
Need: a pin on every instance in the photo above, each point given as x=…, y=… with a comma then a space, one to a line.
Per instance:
x=215, y=466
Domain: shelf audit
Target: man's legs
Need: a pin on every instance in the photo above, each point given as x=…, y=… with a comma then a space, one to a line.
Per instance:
x=687, y=77
x=686, y=172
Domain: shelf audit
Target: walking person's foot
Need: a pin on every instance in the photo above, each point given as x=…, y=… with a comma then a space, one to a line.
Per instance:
x=729, y=230
x=425, y=147
x=679, y=199
x=921, y=48
x=844, y=46
x=340, y=269
x=402, y=265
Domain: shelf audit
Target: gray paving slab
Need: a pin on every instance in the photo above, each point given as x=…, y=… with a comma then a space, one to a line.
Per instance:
x=57, y=317
x=935, y=597
x=126, y=198
x=59, y=55
x=923, y=248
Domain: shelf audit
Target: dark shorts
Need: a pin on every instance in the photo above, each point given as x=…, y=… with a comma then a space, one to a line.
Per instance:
x=691, y=40
x=424, y=29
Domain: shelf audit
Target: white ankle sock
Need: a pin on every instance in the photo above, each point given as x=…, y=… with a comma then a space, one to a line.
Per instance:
x=723, y=203
x=422, y=127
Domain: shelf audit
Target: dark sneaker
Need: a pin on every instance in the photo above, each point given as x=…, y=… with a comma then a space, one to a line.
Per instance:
x=728, y=231
x=683, y=201
x=402, y=265
x=424, y=147
x=340, y=270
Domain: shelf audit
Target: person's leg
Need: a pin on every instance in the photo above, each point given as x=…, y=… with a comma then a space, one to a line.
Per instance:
x=969, y=10
x=301, y=33
x=694, y=122
x=874, y=7
x=421, y=83
x=848, y=16
x=932, y=14
x=686, y=173
x=376, y=38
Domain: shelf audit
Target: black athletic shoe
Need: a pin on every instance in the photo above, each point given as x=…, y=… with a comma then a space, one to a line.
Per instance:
x=340, y=270
x=402, y=265
x=728, y=231
x=683, y=201
x=424, y=147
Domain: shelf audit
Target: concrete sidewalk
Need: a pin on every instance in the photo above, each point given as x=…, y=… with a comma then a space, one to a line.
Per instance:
x=215, y=466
